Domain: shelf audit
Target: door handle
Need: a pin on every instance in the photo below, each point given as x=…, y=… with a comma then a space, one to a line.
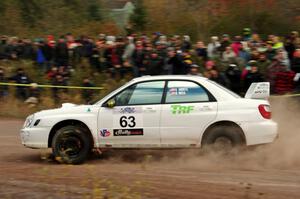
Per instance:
x=149, y=110
x=206, y=108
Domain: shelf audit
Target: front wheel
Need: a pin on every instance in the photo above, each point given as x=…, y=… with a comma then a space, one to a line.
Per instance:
x=71, y=145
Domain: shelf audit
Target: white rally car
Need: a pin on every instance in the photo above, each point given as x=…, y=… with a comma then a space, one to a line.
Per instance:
x=155, y=112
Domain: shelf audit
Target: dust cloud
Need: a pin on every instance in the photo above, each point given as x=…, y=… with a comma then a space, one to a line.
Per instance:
x=283, y=154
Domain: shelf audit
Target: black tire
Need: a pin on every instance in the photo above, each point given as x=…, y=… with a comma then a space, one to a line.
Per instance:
x=71, y=145
x=223, y=139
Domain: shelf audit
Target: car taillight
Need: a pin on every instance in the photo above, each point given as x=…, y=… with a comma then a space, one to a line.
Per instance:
x=265, y=111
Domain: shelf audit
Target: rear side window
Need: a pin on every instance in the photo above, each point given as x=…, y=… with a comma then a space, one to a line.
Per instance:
x=185, y=92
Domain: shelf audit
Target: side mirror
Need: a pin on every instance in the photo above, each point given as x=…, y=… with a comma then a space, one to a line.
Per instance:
x=111, y=103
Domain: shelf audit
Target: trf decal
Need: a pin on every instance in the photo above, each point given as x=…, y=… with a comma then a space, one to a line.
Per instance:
x=178, y=109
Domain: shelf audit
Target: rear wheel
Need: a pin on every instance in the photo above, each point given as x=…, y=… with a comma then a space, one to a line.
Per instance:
x=71, y=145
x=223, y=139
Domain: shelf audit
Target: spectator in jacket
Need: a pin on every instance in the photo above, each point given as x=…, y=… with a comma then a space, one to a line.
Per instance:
x=296, y=61
x=87, y=46
x=113, y=57
x=218, y=77
x=186, y=44
x=51, y=74
x=154, y=64
x=233, y=74
x=282, y=57
x=129, y=50
x=40, y=57
x=176, y=62
x=58, y=92
x=270, y=52
x=263, y=63
x=244, y=55
x=86, y=94
x=62, y=53
x=294, y=35
x=138, y=58
x=201, y=51
x=228, y=54
x=284, y=80
x=255, y=41
x=253, y=76
x=236, y=45
x=277, y=44
x=187, y=61
x=247, y=34
x=194, y=70
x=275, y=67
x=27, y=50
x=3, y=89
x=95, y=60
x=33, y=95
x=21, y=78
x=224, y=43
x=3, y=44
x=211, y=72
x=209, y=66
x=290, y=47
x=212, y=47
x=12, y=49
x=49, y=53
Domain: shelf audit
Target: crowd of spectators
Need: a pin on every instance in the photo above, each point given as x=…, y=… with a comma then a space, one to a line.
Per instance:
x=233, y=61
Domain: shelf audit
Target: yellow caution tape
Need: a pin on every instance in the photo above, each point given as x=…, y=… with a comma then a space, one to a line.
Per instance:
x=51, y=86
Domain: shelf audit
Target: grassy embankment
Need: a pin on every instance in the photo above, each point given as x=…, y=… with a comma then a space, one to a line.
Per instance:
x=11, y=107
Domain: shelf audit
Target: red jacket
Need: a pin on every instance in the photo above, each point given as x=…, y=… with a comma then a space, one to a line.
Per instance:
x=284, y=82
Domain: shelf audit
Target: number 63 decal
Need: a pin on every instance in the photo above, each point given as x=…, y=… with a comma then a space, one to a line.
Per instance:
x=127, y=121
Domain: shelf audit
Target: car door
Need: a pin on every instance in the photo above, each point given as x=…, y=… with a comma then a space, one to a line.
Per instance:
x=135, y=118
x=188, y=109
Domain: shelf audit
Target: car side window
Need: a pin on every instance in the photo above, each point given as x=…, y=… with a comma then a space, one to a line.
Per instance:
x=141, y=94
x=185, y=92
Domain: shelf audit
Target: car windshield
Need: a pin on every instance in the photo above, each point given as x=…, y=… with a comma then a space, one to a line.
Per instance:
x=225, y=89
x=120, y=88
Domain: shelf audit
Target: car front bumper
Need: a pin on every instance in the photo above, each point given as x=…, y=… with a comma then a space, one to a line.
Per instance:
x=35, y=137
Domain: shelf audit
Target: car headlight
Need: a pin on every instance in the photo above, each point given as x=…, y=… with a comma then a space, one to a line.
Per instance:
x=29, y=121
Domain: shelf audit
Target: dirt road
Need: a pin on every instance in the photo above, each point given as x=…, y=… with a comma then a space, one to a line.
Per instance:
x=271, y=171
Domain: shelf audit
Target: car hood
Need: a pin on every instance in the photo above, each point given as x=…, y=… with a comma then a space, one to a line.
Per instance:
x=68, y=108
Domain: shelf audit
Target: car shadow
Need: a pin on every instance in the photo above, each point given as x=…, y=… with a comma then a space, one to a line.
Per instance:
x=137, y=156
x=118, y=156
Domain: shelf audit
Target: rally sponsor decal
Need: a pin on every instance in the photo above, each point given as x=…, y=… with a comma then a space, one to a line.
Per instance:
x=127, y=110
x=173, y=91
x=179, y=109
x=178, y=91
x=127, y=117
x=104, y=133
x=128, y=132
x=127, y=122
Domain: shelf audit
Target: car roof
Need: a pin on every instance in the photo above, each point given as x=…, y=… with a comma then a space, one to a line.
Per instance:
x=169, y=77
